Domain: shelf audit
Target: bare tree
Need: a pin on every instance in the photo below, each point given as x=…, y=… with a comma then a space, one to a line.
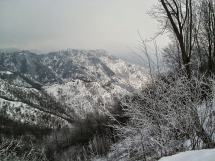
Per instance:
x=192, y=23
x=179, y=17
x=207, y=32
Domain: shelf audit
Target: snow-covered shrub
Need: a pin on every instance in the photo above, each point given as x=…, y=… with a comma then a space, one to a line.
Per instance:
x=172, y=110
x=10, y=151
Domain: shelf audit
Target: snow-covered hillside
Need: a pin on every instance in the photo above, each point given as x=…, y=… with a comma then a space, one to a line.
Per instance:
x=81, y=81
x=30, y=106
x=95, y=66
x=85, y=98
x=93, y=79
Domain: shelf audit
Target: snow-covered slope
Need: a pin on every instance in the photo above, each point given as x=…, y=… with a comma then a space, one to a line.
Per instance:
x=85, y=98
x=26, y=114
x=30, y=106
x=28, y=66
x=197, y=155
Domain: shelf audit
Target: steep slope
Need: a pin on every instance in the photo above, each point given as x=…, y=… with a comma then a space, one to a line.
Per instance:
x=27, y=65
x=30, y=106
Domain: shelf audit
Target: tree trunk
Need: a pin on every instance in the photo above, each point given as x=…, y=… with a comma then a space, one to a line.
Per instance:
x=178, y=31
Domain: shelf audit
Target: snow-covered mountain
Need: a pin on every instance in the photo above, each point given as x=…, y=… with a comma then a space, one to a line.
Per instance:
x=59, y=86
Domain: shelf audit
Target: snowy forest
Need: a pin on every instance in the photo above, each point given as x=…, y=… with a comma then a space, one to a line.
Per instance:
x=173, y=112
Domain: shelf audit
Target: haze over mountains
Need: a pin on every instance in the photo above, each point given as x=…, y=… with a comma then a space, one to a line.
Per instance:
x=129, y=57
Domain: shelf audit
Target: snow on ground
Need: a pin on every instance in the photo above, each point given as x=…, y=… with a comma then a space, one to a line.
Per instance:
x=196, y=155
x=5, y=72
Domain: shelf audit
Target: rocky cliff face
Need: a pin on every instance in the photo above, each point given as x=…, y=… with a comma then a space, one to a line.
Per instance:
x=51, y=89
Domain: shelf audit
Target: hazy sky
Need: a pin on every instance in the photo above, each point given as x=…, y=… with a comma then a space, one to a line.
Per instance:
x=50, y=25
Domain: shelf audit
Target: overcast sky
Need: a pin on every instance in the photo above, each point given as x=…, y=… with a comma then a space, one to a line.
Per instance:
x=51, y=25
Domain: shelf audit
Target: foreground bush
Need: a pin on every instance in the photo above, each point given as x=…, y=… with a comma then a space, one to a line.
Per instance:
x=172, y=114
x=13, y=150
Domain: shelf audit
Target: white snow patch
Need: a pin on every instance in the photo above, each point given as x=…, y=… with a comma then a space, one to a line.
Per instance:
x=196, y=155
x=187, y=143
x=5, y=72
